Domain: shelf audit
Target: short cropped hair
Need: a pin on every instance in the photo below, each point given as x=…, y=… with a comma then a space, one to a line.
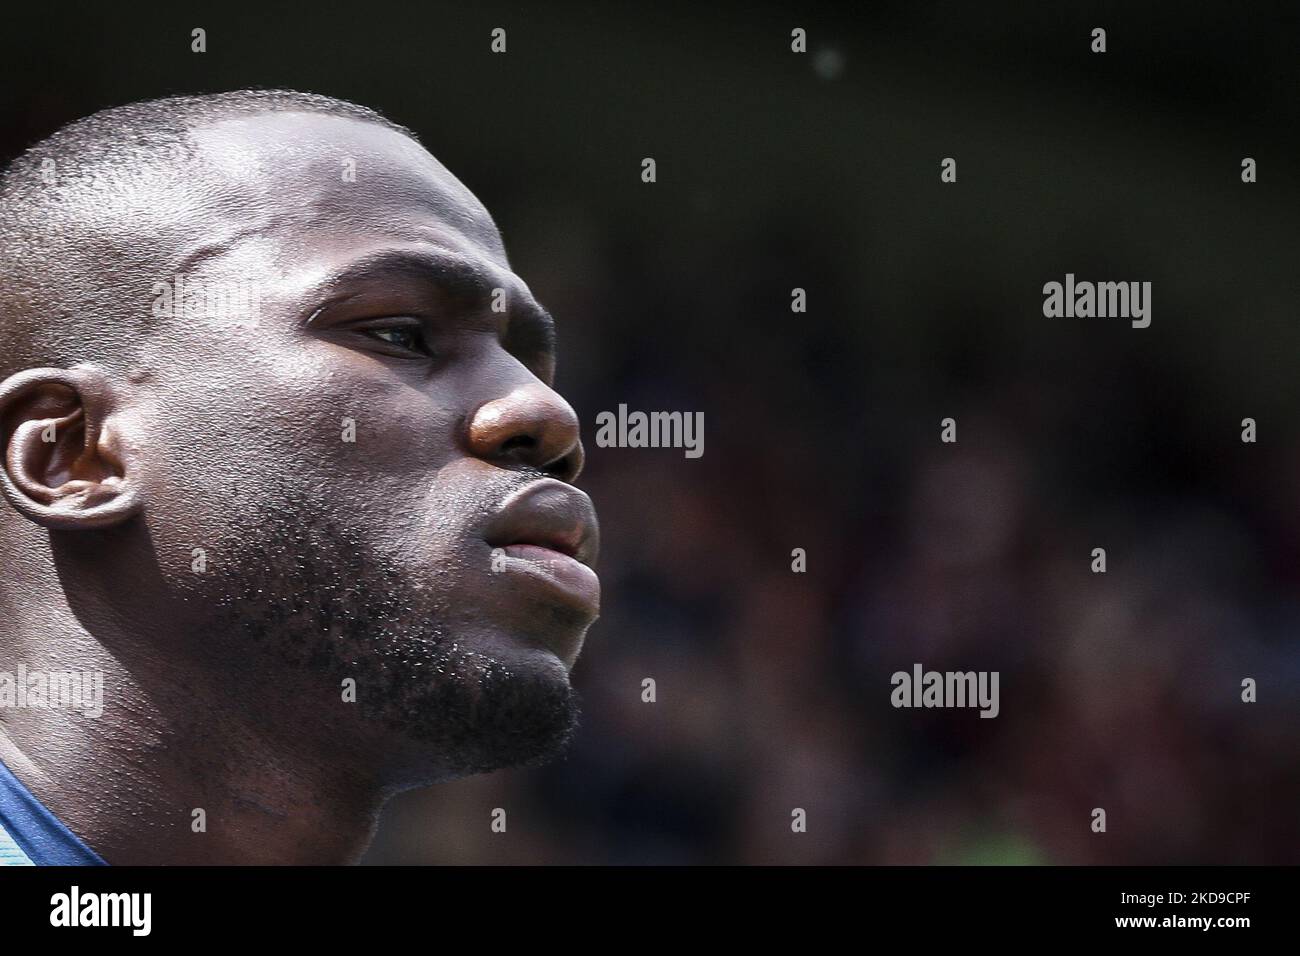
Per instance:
x=42, y=290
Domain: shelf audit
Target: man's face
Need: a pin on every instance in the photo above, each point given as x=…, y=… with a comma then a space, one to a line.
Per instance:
x=368, y=453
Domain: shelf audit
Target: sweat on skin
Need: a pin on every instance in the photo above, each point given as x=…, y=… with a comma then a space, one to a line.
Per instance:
x=327, y=561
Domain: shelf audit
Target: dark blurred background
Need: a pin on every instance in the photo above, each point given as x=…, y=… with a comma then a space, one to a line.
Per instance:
x=821, y=171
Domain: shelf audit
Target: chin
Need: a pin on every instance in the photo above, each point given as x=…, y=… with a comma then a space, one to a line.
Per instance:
x=534, y=637
x=497, y=701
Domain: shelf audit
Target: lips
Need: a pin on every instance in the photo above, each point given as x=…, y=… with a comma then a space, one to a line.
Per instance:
x=548, y=533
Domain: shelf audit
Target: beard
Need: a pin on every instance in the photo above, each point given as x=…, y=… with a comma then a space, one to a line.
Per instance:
x=311, y=600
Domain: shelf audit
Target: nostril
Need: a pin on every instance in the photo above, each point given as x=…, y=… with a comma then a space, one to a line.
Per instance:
x=561, y=468
x=517, y=444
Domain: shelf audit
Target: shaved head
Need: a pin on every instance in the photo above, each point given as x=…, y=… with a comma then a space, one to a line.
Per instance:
x=285, y=462
x=64, y=201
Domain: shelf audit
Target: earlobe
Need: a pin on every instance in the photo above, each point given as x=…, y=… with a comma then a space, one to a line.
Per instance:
x=64, y=464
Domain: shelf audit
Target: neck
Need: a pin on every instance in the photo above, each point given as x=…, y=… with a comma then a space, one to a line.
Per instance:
x=171, y=773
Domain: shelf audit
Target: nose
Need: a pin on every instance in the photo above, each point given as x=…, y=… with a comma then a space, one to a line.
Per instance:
x=529, y=427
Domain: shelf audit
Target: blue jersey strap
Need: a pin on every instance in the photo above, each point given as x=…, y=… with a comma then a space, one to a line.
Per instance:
x=31, y=835
x=11, y=854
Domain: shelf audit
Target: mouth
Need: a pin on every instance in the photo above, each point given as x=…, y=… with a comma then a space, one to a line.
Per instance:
x=546, y=534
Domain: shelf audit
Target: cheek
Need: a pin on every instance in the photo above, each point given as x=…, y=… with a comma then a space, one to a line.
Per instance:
x=349, y=442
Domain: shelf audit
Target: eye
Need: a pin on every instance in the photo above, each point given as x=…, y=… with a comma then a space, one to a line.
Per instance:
x=406, y=337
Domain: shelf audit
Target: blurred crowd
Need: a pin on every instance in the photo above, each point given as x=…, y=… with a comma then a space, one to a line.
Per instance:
x=1120, y=690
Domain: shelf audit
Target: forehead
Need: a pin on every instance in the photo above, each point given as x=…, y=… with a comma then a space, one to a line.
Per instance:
x=313, y=209
x=321, y=181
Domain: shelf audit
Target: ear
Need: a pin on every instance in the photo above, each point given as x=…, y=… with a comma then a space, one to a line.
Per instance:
x=65, y=465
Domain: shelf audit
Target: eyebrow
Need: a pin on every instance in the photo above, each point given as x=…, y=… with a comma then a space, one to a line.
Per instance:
x=530, y=328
